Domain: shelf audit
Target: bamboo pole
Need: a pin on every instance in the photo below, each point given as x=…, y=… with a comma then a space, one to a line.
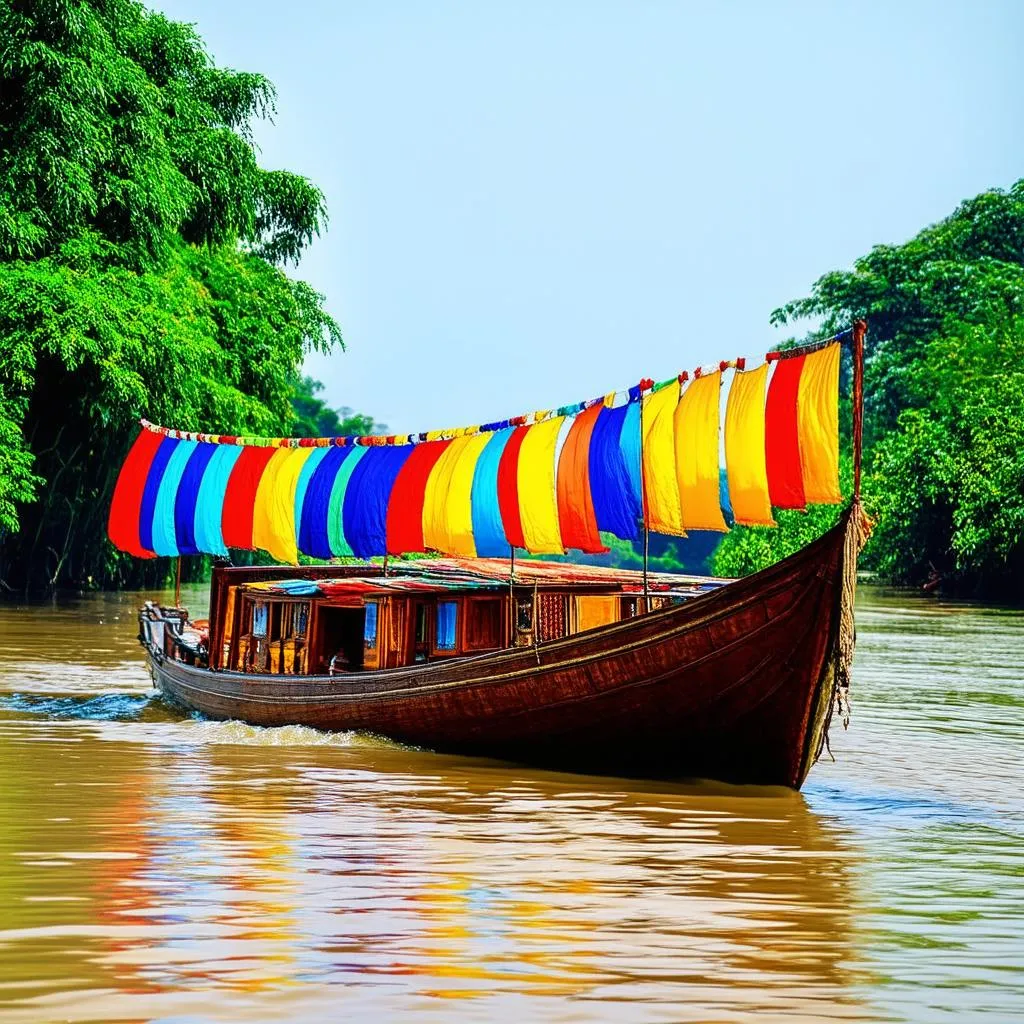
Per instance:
x=511, y=595
x=860, y=329
x=643, y=494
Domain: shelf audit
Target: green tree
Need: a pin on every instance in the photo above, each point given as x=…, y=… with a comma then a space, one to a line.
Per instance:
x=943, y=401
x=746, y=549
x=948, y=481
x=315, y=418
x=967, y=269
x=140, y=268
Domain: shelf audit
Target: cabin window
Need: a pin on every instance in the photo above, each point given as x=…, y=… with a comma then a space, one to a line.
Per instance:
x=370, y=625
x=483, y=624
x=421, y=632
x=447, y=612
x=287, y=621
x=260, y=619
x=524, y=612
x=524, y=620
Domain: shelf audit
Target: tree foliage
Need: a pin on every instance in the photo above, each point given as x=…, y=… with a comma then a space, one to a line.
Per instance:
x=948, y=482
x=967, y=269
x=315, y=418
x=140, y=252
x=944, y=399
x=746, y=549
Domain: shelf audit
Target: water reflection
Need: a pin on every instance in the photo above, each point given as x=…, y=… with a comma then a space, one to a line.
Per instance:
x=161, y=867
x=145, y=870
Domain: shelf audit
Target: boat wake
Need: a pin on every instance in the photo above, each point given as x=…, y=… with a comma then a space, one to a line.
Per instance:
x=235, y=733
x=158, y=722
x=106, y=707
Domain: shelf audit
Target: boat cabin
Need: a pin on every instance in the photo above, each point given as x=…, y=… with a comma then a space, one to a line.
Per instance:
x=330, y=620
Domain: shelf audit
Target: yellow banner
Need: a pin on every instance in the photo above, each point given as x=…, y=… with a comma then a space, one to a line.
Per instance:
x=273, y=514
x=818, y=424
x=538, y=502
x=447, y=512
x=696, y=430
x=745, y=462
x=661, y=487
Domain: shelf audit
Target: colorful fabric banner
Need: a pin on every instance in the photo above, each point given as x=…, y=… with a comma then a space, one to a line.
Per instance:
x=661, y=485
x=164, y=540
x=273, y=524
x=240, y=497
x=818, y=419
x=696, y=431
x=314, y=535
x=631, y=442
x=210, y=498
x=782, y=435
x=535, y=479
x=508, y=489
x=365, y=509
x=577, y=520
x=488, y=531
x=309, y=468
x=405, y=510
x=187, y=497
x=125, y=506
x=544, y=483
x=614, y=491
x=447, y=512
x=147, y=504
x=745, y=461
x=336, y=539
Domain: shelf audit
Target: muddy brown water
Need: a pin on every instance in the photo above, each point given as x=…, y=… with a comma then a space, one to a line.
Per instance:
x=155, y=867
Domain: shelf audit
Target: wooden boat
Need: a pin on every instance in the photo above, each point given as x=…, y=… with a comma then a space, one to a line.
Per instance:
x=575, y=667
x=737, y=682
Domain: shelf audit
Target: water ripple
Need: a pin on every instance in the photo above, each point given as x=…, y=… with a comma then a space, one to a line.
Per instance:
x=157, y=866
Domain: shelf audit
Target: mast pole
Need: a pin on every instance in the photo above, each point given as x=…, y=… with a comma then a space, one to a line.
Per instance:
x=860, y=329
x=177, y=583
x=646, y=542
x=643, y=492
x=511, y=595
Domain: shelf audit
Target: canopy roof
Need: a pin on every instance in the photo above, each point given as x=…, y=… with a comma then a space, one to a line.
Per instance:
x=552, y=481
x=450, y=575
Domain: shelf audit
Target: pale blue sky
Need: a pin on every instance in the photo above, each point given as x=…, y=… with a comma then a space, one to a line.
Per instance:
x=532, y=204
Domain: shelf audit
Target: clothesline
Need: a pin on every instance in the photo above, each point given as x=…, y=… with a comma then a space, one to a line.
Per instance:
x=612, y=399
x=555, y=483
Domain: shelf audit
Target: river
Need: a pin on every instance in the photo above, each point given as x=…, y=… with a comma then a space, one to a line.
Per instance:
x=155, y=867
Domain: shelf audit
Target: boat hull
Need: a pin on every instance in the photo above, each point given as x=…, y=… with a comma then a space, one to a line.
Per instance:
x=735, y=685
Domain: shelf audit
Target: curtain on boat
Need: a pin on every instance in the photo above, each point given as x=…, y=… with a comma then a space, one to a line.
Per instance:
x=554, y=480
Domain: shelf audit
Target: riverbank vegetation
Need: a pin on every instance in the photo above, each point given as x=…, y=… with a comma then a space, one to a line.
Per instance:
x=944, y=412
x=141, y=270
